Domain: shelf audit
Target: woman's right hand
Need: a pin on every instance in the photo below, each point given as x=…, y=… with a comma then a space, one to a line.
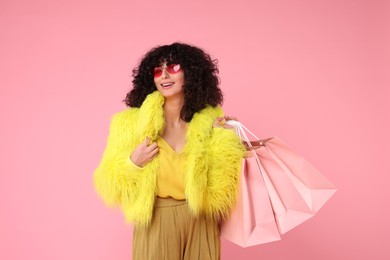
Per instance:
x=144, y=153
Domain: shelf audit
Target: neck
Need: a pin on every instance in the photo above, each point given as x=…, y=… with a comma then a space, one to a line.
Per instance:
x=172, y=107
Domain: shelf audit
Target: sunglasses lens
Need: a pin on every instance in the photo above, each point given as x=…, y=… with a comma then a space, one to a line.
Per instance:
x=157, y=72
x=173, y=68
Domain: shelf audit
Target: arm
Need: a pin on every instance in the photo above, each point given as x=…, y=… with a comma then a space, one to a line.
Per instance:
x=115, y=178
x=226, y=153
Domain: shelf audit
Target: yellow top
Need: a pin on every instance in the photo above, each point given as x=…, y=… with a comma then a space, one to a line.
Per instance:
x=170, y=177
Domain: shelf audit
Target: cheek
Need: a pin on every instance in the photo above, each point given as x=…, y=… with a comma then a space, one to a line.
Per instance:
x=155, y=82
x=181, y=78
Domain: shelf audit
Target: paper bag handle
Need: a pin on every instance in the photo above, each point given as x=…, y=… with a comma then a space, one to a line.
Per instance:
x=241, y=132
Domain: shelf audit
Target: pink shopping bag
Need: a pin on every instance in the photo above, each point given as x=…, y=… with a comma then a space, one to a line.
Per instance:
x=297, y=190
x=252, y=221
x=294, y=187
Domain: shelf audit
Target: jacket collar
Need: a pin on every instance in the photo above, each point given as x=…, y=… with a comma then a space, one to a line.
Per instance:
x=151, y=120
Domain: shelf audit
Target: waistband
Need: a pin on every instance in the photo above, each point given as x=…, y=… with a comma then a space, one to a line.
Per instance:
x=168, y=202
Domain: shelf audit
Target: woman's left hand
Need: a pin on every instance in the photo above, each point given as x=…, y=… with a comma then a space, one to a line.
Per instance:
x=220, y=122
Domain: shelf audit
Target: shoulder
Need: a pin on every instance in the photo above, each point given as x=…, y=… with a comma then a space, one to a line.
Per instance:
x=209, y=113
x=124, y=118
x=202, y=121
x=127, y=113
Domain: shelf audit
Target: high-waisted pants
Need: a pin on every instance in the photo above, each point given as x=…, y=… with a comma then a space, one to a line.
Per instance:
x=175, y=234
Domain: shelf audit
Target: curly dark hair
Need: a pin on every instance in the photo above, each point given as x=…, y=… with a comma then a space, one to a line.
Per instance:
x=200, y=73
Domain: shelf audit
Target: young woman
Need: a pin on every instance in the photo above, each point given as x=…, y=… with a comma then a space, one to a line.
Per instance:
x=170, y=163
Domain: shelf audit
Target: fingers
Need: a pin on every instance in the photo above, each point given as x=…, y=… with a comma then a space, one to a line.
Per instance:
x=144, y=152
x=231, y=118
x=154, y=153
x=148, y=146
x=221, y=120
x=151, y=147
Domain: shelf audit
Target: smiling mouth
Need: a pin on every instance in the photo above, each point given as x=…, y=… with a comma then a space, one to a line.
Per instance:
x=167, y=85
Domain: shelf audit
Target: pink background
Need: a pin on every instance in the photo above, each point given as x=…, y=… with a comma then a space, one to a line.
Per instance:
x=310, y=72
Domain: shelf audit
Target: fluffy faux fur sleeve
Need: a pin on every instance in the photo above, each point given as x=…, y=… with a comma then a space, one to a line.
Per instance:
x=115, y=178
x=226, y=152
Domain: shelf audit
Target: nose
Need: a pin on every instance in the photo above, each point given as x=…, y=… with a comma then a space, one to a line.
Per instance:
x=165, y=73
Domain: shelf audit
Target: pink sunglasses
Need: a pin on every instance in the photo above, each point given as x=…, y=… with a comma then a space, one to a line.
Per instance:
x=172, y=69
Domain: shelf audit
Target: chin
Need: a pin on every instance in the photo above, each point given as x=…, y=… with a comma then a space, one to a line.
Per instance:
x=170, y=93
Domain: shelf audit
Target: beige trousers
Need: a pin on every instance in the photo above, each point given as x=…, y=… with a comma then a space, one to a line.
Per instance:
x=174, y=234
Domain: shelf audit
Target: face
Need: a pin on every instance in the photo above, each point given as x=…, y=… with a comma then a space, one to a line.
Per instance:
x=169, y=79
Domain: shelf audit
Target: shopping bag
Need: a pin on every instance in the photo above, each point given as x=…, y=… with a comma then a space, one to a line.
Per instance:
x=252, y=220
x=295, y=188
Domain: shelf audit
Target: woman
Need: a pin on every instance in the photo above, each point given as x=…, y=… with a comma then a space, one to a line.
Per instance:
x=170, y=163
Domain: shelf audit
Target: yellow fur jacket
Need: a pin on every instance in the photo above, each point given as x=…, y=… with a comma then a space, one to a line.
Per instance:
x=212, y=169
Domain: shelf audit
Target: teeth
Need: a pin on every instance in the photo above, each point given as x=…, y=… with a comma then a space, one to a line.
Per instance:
x=166, y=84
